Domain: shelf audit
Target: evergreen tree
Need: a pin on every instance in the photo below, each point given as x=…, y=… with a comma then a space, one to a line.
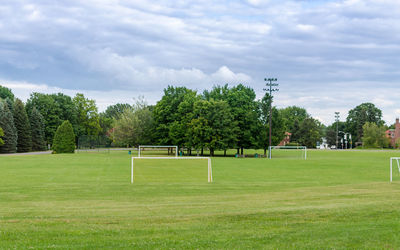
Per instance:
x=10, y=132
x=64, y=139
x=37, y=130
x=21, y=121
x=6, y=93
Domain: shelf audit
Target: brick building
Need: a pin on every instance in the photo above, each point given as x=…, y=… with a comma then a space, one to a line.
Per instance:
x=394, y=134
x=285, y=140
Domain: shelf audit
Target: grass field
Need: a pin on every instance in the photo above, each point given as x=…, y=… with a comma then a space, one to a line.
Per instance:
x=334, y=199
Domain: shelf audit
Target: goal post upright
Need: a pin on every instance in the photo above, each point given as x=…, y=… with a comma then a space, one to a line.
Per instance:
x=304, y=150
x=397, y=159
x=209, y=167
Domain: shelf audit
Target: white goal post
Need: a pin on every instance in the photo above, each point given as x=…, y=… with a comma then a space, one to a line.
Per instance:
x=142, y=147
x=210, y=178
x=391, y=166
x=304, y=148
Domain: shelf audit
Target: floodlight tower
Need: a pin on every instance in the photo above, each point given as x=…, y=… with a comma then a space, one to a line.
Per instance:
x=270, y=89
x=337, y=128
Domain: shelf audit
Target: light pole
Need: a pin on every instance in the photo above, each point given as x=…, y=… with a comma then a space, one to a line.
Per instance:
x=337, y=128
x=270, y=89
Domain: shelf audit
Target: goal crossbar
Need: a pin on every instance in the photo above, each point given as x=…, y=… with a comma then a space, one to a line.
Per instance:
x=397, y=159
x=304, y=148
x=141, y=147
x=210, y=179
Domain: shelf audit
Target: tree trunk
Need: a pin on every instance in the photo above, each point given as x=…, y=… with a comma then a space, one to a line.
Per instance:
x=224, y=152
x=211, y=152
x=238, y=151
x=202, y=151
x=241, y=150
x=265, y=151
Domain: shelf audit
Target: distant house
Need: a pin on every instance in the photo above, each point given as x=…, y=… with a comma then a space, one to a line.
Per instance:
x=285, y=140
x=394, y=134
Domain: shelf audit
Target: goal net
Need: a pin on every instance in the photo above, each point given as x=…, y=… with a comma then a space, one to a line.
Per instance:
x=287, y=152
x=153, y=150
x=394, y=162
x=171, y=169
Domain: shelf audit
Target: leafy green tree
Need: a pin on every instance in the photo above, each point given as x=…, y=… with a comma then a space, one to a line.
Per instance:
x=64, y=139
x=37, y=130
x=309, y=132
x=10, y=132
x=241, y=100
x=67, y=109
x=116, y=110
x=108, y=117
x=292, y=117
x=374, y=136
x=212, y=126
x=172, y=115
x=21, y=121
x=50, y=111
x=1, y=135
x=87, y=115
x=134, y=126
x=357, y=117
x=6, y=93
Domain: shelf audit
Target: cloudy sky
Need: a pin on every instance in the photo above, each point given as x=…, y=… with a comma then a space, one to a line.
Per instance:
x=327, y=55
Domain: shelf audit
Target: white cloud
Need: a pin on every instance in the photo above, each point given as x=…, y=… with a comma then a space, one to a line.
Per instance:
x=327, y=55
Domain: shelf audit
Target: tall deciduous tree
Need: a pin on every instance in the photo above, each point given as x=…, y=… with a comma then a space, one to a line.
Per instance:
x=134, y=126
x=241, y=100
x=374, y=136
x=357, y=117
x=172, y=115
x=64, y=139
x=10, y=132
x=67, y=110
x=309, y=132
x=87, y=115
x=212, y=126
x=109, y=116
x=37, y=130
x=21, y=121
x=292, y=117
x=116, y=110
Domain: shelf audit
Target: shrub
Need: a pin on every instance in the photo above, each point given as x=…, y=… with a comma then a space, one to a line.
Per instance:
x=64, y=139
x=1, y=134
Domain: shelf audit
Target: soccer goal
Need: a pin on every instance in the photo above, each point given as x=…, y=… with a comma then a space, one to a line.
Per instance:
x=397, y=163
x=287, y=152
x=153, y=150
x=165, y=165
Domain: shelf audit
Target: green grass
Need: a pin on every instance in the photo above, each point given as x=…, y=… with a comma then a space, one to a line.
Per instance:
x=334, y=199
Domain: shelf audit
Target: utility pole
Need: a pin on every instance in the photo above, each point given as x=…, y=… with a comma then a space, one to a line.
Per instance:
x=337, y=128
x=270, y=89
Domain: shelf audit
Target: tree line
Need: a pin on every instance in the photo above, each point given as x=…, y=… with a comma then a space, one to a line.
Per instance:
x=221, y=118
